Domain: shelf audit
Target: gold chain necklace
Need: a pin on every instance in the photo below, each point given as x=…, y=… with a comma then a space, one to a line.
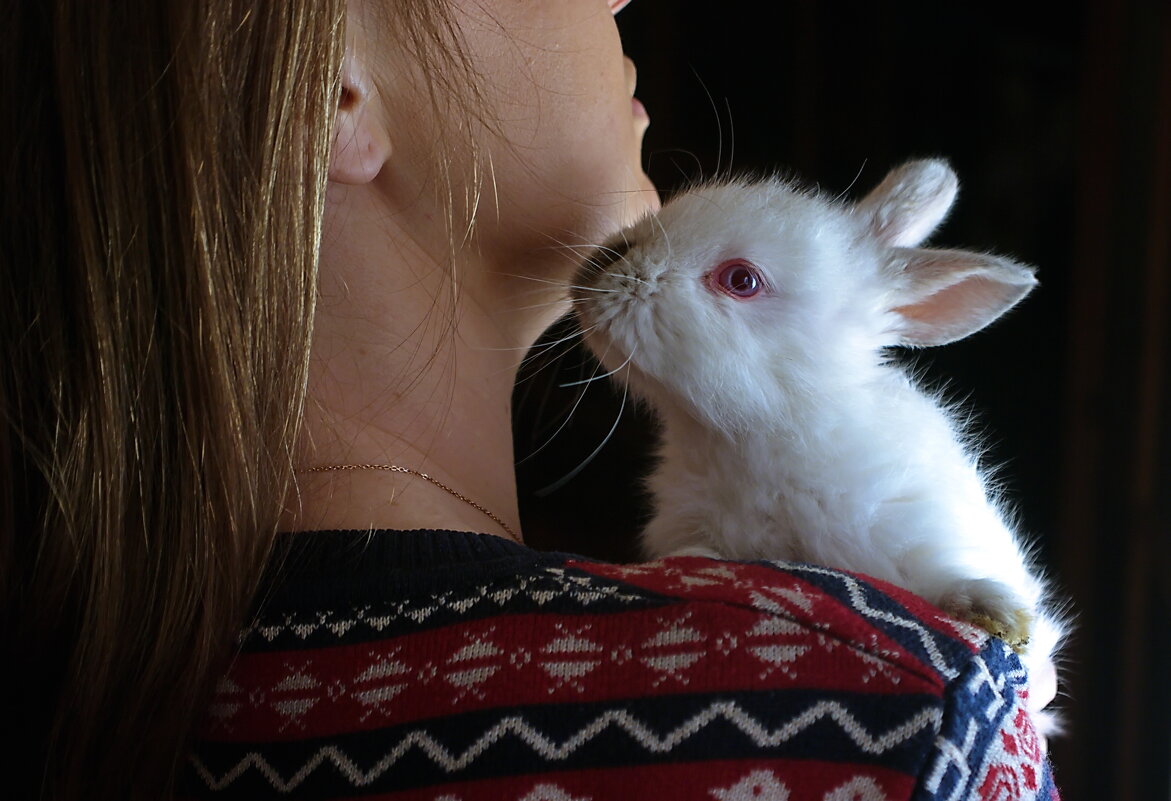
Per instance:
x=394, y=468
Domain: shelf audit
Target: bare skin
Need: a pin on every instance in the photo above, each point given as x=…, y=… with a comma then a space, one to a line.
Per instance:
x=402, y=373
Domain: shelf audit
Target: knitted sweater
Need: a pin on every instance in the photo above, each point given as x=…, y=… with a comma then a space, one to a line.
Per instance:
x=450, y=666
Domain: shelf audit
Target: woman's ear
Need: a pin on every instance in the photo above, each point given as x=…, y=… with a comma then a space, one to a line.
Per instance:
x=361, y=141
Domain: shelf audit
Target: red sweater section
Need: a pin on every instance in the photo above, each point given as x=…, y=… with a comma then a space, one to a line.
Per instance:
x=446, y=665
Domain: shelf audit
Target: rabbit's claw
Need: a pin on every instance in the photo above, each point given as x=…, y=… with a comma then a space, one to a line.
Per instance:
x=994, y=607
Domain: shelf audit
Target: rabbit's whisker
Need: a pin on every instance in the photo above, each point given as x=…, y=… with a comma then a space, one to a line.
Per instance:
x=596, y=377
x=565, y=422
x=561, y=482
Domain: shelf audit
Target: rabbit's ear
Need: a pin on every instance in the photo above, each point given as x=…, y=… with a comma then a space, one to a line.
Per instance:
x=910, y=202
x=945, y=295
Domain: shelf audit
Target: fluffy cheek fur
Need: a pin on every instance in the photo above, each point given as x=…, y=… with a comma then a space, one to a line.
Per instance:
x=685, y=357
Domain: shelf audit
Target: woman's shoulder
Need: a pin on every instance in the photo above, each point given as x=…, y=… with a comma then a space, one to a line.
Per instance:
x=330, y=585
x=442, y=659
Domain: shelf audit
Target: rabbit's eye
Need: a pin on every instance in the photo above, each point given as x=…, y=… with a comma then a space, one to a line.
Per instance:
x=738, y=278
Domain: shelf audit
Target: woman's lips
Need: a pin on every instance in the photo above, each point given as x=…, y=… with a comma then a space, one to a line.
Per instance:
x=636, y=106
x=630, y=72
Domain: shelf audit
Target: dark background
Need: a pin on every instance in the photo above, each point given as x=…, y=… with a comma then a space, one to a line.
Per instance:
x=1057, y=118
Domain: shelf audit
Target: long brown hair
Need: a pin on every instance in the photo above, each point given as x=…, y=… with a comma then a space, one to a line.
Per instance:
x=159, y=229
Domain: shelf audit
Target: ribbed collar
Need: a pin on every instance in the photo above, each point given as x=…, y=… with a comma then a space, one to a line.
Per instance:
x=327, y=569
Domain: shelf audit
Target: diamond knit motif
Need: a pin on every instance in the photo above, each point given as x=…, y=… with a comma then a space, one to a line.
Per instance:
x=689, y=679
x=472, y=665
x=294, y=695
x=380, y=683
x=570, y=657
x=673, y=651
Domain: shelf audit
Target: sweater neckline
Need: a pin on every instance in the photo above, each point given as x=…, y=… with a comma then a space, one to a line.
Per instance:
x=404, y=547
x=332, y=568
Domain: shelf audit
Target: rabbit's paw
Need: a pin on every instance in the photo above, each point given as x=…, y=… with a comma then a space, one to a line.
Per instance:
x=994, y=607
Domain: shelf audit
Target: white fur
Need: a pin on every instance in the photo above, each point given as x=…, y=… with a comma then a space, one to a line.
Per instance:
x=787, y=432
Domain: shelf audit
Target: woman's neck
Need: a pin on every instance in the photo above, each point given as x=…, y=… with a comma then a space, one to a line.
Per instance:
x=413, y=366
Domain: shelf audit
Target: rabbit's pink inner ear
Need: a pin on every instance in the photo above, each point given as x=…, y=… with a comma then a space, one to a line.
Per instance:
x=957, y=310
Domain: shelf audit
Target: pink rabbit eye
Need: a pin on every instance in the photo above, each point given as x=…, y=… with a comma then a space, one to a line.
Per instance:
x=739, y=278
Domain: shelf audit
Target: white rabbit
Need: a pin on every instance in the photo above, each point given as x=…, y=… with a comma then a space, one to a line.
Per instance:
x=754, y=318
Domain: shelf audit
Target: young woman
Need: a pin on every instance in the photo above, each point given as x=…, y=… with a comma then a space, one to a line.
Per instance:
x=268, y=273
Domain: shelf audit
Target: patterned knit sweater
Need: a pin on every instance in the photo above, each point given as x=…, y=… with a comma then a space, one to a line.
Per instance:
x=451, y=666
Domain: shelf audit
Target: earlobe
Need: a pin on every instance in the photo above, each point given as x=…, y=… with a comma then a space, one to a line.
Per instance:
x=361, y=141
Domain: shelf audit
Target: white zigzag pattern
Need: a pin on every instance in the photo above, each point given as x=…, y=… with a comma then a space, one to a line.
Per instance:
x=854, y=588
x=585, y=590
x=553, y=750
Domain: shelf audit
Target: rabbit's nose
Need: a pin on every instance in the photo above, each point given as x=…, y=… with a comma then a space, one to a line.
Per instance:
x=608, y=255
